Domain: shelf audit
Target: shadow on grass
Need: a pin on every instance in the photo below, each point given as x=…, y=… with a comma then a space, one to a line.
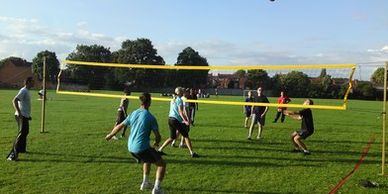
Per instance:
x=199, y=190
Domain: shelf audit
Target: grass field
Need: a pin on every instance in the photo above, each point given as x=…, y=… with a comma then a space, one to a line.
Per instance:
x=73, y=156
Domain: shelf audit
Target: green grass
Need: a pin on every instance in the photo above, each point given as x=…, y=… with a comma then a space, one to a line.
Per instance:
x=73, y=156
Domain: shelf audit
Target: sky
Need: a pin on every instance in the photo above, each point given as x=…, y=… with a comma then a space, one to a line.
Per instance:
x=226, y=32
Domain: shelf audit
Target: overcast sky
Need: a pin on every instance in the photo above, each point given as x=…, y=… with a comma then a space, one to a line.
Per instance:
x=226, y=32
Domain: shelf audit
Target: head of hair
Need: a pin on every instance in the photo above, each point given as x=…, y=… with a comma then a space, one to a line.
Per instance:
x=311, y=102
x=28, y=80
x=127, y=91
x=179, y=90
x=145, y=98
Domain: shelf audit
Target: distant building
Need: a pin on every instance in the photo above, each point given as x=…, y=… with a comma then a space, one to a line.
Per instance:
x=229, y=81
x=13, y=71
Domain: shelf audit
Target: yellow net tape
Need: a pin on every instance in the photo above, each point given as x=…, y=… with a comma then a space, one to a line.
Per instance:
x=265, y=67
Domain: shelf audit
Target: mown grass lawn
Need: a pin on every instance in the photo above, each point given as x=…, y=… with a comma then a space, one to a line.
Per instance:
x=73, y=157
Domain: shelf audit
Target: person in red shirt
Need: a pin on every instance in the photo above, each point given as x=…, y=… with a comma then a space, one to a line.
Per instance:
x=283, y=99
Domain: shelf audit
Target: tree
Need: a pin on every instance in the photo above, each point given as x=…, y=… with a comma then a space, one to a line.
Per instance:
x=259, y=78
x=297, y=84
x=240, y=73
x=94, y=77
x=378, y=76
x=52, y=65
x=140, y=51
x=191, y=78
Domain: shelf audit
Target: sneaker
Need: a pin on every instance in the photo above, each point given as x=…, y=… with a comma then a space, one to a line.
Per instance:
x=259, y=138
x=161, y=153
x=173, y=145
x=182, y=146
x=194, y=155
x=146, y=186
x=157, y=191
x=249, y=138
x=306, y=152
x=295, y=150
x=115, y=138
x=11, y=159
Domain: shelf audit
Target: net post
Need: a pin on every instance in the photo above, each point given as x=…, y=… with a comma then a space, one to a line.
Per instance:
x=384, y=119
x=43, y=112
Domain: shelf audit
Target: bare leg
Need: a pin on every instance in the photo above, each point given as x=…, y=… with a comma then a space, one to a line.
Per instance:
x=161, y=169
x=261, y=127
x=189, y=145
x=292, y=140
x=246, y=122
x=168, y=141
x=252, y=125
x=298, y=141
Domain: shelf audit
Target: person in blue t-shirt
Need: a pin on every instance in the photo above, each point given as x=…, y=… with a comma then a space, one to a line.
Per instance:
x=142, y=122
x=178, y=121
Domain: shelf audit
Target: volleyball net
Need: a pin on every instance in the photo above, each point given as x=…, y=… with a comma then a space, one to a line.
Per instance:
x=298, y=81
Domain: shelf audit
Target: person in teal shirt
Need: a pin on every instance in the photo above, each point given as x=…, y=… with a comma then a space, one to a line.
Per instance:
x=142, y=122
x=178, y=121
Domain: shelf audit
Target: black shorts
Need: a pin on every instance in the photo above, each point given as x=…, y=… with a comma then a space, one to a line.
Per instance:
x=258, y=119
x=305, y=133
x=176, y=125
x=120, y=116
x=149, y=155
x=247, y=113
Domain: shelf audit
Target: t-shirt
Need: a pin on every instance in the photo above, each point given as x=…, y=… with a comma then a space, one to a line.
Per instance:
x=185, y=104
x=174, y=108
x=248, y=107
x=142, y=122
x=307, y=120
x=24, y=102
x=123, y=105
x=283, y=100
x=193, y=97
x=258, y=110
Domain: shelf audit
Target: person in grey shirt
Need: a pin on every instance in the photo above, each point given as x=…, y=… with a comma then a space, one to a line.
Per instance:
x=22, y=105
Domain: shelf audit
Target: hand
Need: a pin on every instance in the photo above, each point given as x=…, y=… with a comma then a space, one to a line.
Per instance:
x=156, y=144
x=262, y=115
x=108, y=137
x=186, y=123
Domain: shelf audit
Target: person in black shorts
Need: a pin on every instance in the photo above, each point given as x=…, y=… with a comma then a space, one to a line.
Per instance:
x=306, y=130
x=258, y=113
x=142, y=123
x=178, y=121
x=248, y=109
x=122, y=112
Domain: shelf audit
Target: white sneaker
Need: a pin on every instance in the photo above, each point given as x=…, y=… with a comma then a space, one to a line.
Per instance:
x=146, y=186
x=115, y=138
x=157, y=191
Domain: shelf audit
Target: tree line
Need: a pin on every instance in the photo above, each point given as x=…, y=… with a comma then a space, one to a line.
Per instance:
x=142, y=51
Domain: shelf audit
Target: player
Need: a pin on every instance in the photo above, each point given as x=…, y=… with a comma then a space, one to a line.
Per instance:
x=307, y=127
x=178, y=121
x=142, y=122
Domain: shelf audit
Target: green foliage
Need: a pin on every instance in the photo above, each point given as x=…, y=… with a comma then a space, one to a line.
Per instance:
x=378, y=76
x=140, y=51
x=240, y=73
x=52, y=65
x=74, y=157
x=259, y=78
x=191, y=78
x=296, y=84
x=364, y=90
x=95, y=75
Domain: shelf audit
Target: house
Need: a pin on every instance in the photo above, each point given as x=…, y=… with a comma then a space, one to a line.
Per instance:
x=230, y=81
x=13, y=71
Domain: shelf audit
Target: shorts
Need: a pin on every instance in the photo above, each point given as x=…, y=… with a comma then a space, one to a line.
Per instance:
x=304, y=133
x=174, y=125
x=258, y=119
x=120, y=117
x=149, y=155
x=247, y=113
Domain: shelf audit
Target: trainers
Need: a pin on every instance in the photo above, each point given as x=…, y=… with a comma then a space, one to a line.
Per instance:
x=11, y=159
x=194, y=155
x=157, y=191
x=306, y=152
x=173, y=145
x=249, y=138
x=161, y=153
x=182, y=146
x=146, y=186
x=295, y=150
x=115, y=138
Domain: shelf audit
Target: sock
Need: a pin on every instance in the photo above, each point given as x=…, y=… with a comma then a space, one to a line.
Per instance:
x=157, y=184
x=145, y=178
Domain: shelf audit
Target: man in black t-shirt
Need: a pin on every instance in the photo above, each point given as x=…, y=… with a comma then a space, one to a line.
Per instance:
x=307, y=127
x=258, y=113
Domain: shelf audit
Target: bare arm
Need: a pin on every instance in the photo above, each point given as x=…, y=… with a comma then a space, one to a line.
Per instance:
x=157, y=138
x=265, y=111
x=293, y=115
x=182, y=113
x=115, y=130
x=15, y=103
